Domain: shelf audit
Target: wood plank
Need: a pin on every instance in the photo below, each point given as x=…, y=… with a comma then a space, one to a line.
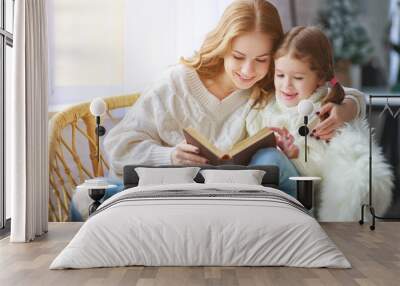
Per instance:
x=374, y=255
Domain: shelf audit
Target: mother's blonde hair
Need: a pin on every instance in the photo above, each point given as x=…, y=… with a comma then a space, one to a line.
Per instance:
x=242, y=16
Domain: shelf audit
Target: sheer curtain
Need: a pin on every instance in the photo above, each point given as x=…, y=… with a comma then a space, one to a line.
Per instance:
x=27, y=123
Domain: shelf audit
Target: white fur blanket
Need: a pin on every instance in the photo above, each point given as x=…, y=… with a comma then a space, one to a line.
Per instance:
x=345, y=173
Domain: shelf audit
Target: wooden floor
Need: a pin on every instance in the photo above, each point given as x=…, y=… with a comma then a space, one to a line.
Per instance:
x=374, y=255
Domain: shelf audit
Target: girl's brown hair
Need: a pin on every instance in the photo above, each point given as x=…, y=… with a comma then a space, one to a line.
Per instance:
x=240, y=17
x=310, y=44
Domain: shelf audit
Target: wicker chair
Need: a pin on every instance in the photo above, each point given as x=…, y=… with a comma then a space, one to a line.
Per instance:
x=73, y=151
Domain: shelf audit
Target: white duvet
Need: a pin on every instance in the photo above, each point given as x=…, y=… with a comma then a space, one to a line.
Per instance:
x=206, y=230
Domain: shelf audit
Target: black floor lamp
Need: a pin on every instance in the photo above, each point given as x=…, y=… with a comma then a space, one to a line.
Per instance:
x=97, y=186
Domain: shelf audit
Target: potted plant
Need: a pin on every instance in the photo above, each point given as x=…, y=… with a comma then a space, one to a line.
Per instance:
x=351, y=44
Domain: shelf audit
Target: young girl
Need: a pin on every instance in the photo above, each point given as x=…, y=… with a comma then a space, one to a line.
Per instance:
x=303, y=70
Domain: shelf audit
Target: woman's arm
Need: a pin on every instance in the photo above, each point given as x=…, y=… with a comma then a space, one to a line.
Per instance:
x=359, y=99
x=136, y=140
x=151, y=134
x=353, y=106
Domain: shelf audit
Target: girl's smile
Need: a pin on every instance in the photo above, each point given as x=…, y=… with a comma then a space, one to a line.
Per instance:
x=289, y=96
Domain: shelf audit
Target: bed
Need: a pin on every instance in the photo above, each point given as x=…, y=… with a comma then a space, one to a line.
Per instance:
x=201, y=224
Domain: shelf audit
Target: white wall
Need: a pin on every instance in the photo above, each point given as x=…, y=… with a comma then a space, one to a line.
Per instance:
x=104, y=48
x=156, y=38
x=86, y=41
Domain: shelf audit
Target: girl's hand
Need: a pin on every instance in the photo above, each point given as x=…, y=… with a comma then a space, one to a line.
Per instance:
x=186, y=154
x=285, y=142
x=335, y=116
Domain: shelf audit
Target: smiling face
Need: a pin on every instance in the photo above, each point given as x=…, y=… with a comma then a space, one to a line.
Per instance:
x=294, y=80
x=248, y=60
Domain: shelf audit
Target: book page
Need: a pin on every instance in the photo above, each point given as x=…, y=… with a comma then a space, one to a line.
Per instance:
x=242, y=145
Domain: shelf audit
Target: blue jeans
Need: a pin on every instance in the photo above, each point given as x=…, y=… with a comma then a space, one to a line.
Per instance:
x=272, y=156
x=81, y=201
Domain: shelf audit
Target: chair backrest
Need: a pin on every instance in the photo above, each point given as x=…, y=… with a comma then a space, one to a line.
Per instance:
x=73, y=151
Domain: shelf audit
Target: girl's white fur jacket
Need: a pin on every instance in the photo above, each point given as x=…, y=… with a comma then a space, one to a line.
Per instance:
x=343, y=163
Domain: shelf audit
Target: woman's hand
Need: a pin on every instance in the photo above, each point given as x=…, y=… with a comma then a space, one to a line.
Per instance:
x=285, y=142
x=335, y=116
x=186, y=154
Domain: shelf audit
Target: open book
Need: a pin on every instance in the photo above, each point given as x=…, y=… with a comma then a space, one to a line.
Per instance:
x=241, y=152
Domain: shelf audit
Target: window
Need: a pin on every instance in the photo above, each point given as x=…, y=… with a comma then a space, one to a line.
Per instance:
x=6, y=44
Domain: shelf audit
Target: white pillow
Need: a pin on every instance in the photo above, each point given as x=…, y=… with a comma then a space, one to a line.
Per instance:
x=249, y=177
x=165, y=176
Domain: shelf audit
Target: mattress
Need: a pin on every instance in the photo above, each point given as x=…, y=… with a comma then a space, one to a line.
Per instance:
x=201, y=225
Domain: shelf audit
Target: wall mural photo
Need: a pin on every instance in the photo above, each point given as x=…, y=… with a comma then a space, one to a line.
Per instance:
x=207, y=92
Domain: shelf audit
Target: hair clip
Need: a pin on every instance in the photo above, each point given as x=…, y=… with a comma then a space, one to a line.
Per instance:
x=333, y=81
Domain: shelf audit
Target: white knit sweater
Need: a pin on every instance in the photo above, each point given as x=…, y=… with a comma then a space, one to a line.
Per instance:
x=153, y=126
x=276, y=114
